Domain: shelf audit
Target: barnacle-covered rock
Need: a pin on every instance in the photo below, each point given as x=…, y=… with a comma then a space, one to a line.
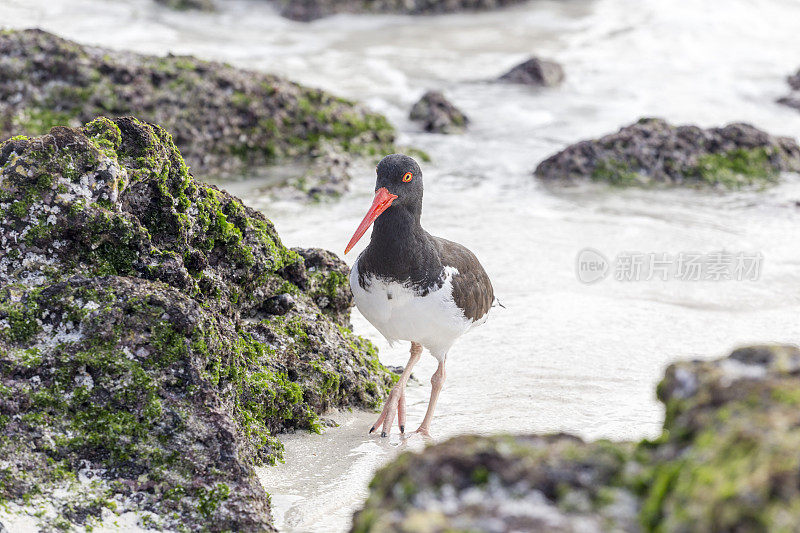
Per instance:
x=141, y=367
x=652, y=151
x=726, y=461
x=224, y=120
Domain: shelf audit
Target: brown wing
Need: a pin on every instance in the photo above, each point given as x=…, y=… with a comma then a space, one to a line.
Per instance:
x=472, y=289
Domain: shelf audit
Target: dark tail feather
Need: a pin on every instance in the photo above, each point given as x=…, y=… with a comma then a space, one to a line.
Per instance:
x=497, y=302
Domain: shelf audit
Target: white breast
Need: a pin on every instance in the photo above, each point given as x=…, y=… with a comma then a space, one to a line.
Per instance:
x=399, y=313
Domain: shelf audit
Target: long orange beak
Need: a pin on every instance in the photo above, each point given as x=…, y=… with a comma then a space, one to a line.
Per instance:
x=383, y=199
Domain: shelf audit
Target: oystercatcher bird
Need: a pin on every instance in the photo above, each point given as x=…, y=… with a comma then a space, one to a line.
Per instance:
x=413, y=286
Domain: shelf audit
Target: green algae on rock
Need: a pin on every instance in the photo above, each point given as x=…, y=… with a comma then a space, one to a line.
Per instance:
x=503, y=483
x=107, y=410
x=726, y=461
x=653, y=152
x=224, y=120
x=144, y=367
x=327, y=177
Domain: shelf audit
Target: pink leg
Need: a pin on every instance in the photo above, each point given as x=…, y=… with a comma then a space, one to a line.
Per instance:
x=396, y=402
x=437, y=380
x=401, y=412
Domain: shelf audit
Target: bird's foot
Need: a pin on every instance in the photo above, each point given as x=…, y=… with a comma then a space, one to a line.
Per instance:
x=424, y=431
x=394, y=405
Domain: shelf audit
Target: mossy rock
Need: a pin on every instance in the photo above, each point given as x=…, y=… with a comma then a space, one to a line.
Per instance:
x=109, y=389
x=652, y=152
x=138, y=345
x=226, y=121
x=502, y=483
x=727, y=461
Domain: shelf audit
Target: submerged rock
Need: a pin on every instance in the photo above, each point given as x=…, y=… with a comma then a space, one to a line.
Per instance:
x=183, y=5
x=793, y=98
x=794, y=81
x=535, y=71
x=438, y=115
x=652, y=151
x=326, y=177
x=225, y=120
x=142, y=366
x=307, y=10
x=726, y=461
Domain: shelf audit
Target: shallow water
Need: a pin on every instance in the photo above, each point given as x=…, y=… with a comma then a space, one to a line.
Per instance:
x=563, y=355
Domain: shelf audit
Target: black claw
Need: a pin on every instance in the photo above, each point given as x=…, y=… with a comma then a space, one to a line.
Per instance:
x=383, y=433
x=402, y=429
x=371, y=430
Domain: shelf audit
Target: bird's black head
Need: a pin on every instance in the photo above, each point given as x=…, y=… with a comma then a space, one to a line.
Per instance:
x=398, y=186
x=401, y=176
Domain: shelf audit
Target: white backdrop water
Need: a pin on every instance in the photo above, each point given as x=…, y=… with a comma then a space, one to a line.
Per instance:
x=562, y=356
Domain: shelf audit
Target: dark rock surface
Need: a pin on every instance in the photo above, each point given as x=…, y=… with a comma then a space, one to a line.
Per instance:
x=794, y=81
x=498, y=484
x=652, y=151
x=327, y=177
x=437, y=114
x=225, y=120
x=307, y=10
x=183, y=5
x=143, y=368
x=535, y=71
x=726, y=461
x=793, y=98
x=327, y=282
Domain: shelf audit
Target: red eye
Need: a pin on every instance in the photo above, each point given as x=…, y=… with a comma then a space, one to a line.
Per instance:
x=407, y=177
